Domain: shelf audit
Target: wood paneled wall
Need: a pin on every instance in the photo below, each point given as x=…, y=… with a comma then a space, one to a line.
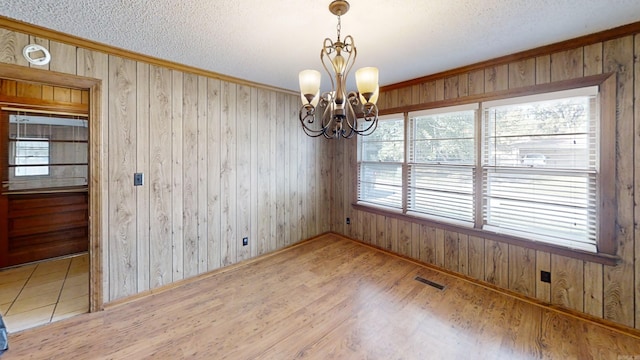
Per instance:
x=221, y=161
x=609, y=292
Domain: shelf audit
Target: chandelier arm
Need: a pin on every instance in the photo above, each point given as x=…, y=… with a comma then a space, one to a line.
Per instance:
x=349, y=48
x=324, y=56
x=371, y=117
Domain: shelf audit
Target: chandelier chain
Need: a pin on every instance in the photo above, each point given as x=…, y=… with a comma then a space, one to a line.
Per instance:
x=339, y=27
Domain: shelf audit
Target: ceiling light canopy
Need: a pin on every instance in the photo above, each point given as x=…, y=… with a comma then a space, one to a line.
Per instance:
x=335, y=114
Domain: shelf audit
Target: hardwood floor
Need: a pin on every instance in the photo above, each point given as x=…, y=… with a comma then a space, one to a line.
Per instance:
x=326, y=298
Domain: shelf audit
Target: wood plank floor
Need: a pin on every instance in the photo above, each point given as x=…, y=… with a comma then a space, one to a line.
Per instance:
x=326, y=298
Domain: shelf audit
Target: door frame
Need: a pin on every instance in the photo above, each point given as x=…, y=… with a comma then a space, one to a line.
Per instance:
x=95, y=181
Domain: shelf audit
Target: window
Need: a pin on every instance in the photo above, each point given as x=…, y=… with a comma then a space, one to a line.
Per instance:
x=31, y=151
x=380, y=159
x=538, y=168
x=442, y=163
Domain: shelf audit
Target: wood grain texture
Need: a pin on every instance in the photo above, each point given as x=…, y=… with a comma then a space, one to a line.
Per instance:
x=522, y=276
x=566, y=282
x=522, y=73
x=543, y=263
x=496, y=78
x=476, y=82
x=593, y=59
x=496, y=263
x=476, y=258
x=214, y=145
x=228, y=174
x=328, y=298
x=11, y=45
x=636, y=169
x=451, y=87
x=593, y=288
x=451, y=251
x=293, y=133
x=160, y=178
x=63, y=57
x=253, y=149
x=243, y=182
x=618, y=281
x=567, y=64
x=182, y=216
x=142, y=166
x=404, y=238
x=203, y=176
x=122, y=205
x=264, y=173
x=185, y=171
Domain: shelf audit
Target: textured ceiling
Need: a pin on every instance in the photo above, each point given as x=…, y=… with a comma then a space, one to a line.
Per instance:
x=269, y=42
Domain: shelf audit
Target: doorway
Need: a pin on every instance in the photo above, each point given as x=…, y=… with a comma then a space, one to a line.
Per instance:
x=65, y=193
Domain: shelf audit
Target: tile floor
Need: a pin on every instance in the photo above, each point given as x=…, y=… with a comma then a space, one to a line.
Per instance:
x=37, y=294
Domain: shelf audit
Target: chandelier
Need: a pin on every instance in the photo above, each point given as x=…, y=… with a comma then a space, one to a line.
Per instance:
x=335, y=114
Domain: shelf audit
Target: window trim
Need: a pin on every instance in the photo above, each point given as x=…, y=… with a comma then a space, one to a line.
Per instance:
x=606, y=189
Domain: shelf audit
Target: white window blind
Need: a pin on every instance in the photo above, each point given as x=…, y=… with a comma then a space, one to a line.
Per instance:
x=30, y=152
x=441, y=163
x=380, y=159
x=540, y=167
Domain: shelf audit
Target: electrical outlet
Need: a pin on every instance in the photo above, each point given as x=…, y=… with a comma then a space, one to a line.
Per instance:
x=545, y=276
x=138, y=179
x=348, y=221
x=245, y=241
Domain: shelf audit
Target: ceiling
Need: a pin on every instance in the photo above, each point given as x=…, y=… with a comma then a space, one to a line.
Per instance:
x=269, y=42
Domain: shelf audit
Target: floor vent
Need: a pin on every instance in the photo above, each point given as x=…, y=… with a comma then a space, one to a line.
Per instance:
x=430, y=283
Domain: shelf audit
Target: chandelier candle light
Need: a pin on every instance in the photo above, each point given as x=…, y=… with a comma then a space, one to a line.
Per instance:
x=334, y=114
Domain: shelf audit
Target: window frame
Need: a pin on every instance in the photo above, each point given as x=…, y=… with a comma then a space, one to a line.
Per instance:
x=606, y=166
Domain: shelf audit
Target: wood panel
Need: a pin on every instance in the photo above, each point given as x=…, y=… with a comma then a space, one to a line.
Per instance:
x=243, y=182
x=142, y=166
x=182, y=242
x=522, y=277
x=11, y=47
x=264, y=171
x=618, y=281
x=476, y=258
x=203, y=176
x=186, y=155
x=522, y=73
x=214, y=146
x=122, y=204
x=451, y=250
x=281, y=173
x=496, y=263
x=566, y=282
x=63, y=59
x=228, y=174
x=292, y=205
x=543, y=263
x=567, y=64
x=160, y=178
x=636, y=170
